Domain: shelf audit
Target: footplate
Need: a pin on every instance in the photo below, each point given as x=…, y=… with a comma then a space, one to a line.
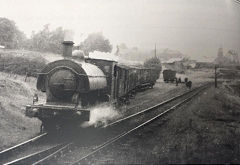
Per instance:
x=54, y=111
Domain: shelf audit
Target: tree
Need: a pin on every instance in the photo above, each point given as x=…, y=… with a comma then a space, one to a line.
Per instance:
x=10, y=36
x=96, y=42
x=153, y=62
x=46, y=40
x=39, y=41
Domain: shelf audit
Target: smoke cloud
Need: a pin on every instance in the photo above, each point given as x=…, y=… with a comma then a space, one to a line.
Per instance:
x=101, y=115
x=113, y=57
x=68, y=36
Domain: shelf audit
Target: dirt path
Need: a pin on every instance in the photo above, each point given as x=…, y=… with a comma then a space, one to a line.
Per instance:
x=203, y=131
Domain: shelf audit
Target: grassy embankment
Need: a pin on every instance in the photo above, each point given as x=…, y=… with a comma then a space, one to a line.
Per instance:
x=209, y=131
x=15, y=93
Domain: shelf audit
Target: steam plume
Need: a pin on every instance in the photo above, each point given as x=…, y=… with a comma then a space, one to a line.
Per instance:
x=68, y=35
x=101, y=115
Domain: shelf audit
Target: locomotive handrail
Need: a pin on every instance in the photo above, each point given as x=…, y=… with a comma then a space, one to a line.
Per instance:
x=61, y=67
x=69, y=69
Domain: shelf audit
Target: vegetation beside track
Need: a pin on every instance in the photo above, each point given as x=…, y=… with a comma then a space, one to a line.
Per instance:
x=15, y=93
x=206, y=130
x=21, y=62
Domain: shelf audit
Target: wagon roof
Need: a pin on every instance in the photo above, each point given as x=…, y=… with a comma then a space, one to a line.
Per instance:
x=131, y=67
x=88, y=58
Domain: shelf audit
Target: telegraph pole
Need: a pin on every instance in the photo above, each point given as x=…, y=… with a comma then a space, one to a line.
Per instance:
x=215, y=76
x=155, y=51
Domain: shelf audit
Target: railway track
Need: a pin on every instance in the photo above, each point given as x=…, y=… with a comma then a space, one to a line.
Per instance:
x=33, y=150
x=152, y=107
x=4, y=154
x=152, y=101
x=40, y=156
x=87, y=147
x=145, y=123
x=117, y=130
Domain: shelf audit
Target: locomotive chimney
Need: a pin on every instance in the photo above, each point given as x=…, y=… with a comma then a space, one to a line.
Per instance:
x=67, y=48
x=68, y=43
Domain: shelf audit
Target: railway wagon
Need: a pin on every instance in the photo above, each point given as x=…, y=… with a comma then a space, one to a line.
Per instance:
x=148, y=77
x=169, y=75
x=154, y=75
x=74, y=84
x=131, y=79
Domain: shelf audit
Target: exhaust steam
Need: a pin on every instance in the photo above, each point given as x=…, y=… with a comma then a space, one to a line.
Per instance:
x=68, y=35
x=101, y=115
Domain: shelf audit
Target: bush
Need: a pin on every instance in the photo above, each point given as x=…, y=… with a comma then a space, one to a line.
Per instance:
x=21, y=65
x=153, y=62
x=228, y=96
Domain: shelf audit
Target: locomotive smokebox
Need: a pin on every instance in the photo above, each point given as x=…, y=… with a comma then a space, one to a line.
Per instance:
x=67, y=48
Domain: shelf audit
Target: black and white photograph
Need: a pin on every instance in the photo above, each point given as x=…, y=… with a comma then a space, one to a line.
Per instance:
x=119, y=82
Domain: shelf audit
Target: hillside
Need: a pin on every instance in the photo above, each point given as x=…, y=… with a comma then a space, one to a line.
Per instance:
x=24, y=62
x=14, y=95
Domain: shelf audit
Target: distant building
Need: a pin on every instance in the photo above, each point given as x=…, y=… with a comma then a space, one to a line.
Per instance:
x=204, y=65
x=230, y=58
x=179, y=64
x=221, y=59
x=220, y=52
x=233, y=56
x=172, y=60
x=189, y=64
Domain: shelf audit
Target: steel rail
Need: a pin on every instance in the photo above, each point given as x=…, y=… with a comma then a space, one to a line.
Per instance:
x=53, y=154
x=26, y=159
x=40, y=156
x=152, y=107
x=3, y=152
x=114, y=139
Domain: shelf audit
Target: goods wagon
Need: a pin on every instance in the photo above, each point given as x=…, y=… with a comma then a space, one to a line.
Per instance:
x=169, y=75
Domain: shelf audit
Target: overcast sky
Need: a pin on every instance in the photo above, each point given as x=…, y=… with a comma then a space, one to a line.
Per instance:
x=194, y=27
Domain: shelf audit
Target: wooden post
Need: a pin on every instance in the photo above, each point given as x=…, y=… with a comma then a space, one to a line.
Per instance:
x=2, y=62
x=25, y=80
x=215, y=76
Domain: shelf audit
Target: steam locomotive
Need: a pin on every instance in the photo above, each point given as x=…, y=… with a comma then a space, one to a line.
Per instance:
x=73, y=85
